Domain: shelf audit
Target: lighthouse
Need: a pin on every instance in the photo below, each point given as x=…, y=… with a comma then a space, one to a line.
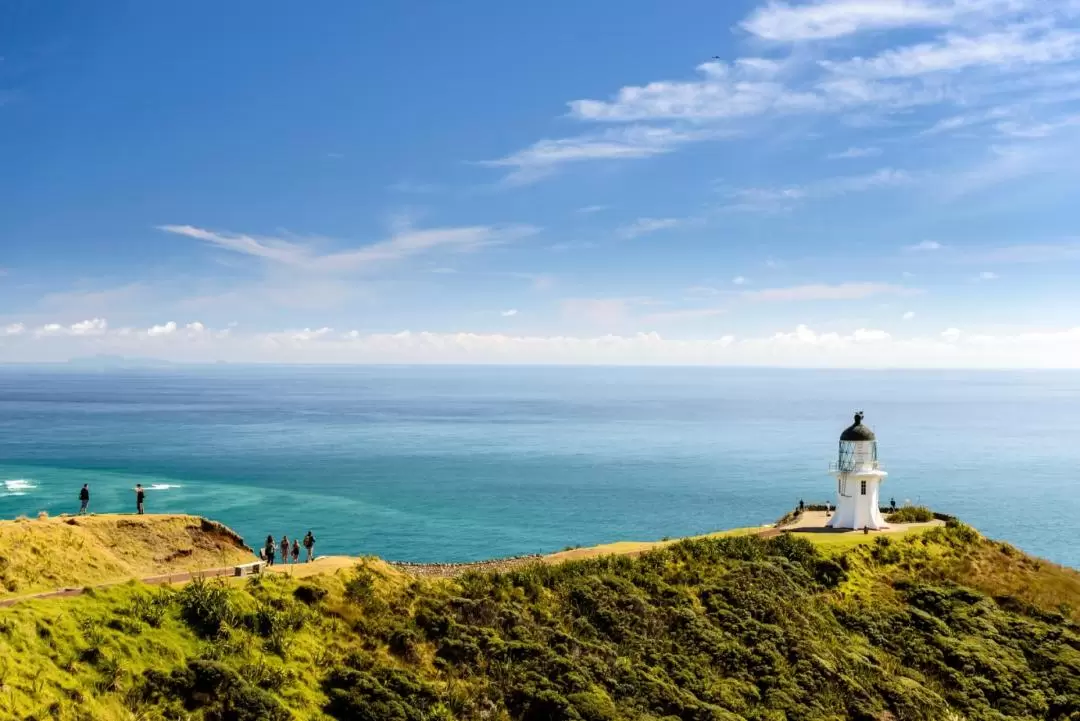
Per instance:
x=858, y=479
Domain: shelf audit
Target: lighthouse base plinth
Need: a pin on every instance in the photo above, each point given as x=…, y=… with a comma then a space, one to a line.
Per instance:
x=857, y=505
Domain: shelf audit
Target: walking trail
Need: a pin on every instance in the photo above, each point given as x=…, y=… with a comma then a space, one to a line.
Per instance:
x=810, y=525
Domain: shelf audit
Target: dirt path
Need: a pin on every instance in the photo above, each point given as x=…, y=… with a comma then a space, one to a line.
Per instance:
x=178, y=577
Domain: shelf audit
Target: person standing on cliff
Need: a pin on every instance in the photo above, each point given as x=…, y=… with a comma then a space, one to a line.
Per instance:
x=140, y=497
x=309, y=545
x=84, y=498
x=270, y=550
x=296, y=551
x=285, y=549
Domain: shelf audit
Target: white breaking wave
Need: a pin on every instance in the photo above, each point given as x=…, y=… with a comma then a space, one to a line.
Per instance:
x=163, y=486
x=17, y=487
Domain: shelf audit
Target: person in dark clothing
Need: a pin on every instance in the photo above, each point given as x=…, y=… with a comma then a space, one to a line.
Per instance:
x=892, y=504
x=802, y=506
x=271, y=549
x=84, y=498
x=295, y=551
x=140, y=497
x=309, y=545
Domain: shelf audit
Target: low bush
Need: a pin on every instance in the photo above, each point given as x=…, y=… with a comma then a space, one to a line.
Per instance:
x=911, y=514
x=206, y=607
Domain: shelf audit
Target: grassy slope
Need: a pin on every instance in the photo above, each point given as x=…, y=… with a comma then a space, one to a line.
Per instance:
x=931, y=625
x=42, y=555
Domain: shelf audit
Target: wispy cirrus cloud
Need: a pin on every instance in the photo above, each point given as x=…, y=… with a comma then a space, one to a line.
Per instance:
x=790, y=22
x=402, y=245
x=819, y=291
x=776, y=199
x=544, y=157
x=1016, y=47
x=979, y=53
x=855, y=152
x=645, y=226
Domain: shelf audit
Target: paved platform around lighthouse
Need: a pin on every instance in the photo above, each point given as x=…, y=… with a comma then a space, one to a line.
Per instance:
x=814, y=522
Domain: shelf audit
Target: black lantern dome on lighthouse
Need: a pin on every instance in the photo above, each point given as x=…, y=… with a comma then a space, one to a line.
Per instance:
x=858, y=447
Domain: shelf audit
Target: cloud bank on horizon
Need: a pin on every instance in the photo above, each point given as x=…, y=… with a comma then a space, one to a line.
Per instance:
x=892, y=179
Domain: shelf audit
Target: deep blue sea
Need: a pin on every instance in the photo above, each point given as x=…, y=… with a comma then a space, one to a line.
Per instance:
x=463, y=463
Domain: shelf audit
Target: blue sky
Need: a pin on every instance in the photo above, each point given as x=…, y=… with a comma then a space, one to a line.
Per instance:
x=844, y=182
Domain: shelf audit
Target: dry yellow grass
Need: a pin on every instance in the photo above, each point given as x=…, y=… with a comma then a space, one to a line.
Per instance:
x=999, y=569
x=634, y=548
x=50, y=553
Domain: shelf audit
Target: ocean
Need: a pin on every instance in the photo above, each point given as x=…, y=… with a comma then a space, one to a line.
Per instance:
x=466, y=463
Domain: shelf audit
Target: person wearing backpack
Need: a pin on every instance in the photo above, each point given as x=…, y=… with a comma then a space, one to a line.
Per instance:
x=309, y=545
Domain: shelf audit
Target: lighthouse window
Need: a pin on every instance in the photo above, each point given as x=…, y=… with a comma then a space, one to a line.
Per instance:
x=862, y=487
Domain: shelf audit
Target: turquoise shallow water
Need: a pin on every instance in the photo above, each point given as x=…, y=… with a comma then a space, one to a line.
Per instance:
x=466, y=463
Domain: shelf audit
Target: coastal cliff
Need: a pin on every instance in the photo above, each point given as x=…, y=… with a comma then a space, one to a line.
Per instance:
x=936, y=624
x=44, y=554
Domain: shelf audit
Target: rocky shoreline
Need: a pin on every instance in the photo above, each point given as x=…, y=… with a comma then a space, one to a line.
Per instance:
x=449, y=570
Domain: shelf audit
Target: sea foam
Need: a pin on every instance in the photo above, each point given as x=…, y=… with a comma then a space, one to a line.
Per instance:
x=163, y=486
x=17, y=487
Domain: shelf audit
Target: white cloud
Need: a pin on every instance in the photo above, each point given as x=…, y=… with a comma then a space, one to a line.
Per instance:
x=925, y=245
x=739, y=280
x=784, y=198
x=509, y=313
x=980, y=52
x=406, y=243
x=94, y=326
x=14, y=329
x=158, y=330
x=1011, y=48
x=724, y=92
x=802, y=347
x=988, y=275
x=855, y=152
x=864, y=335
x=589, y=209
x=842, y=291
x=951, y=335
x=546, y=156
x=784, y=22
x=909, y=315
x=644, y=226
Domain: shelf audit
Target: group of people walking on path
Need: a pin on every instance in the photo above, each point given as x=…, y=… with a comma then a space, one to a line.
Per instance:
x=269, y=552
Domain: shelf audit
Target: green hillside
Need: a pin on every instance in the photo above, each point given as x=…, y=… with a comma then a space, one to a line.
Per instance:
x=941, y=624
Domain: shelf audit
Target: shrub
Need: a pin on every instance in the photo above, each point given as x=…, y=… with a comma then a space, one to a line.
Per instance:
x=360, y=588
x=911, y=514
x=378, y=695
x=150, y=608
x=206, y=607
x=306, y=593
x=216, y=689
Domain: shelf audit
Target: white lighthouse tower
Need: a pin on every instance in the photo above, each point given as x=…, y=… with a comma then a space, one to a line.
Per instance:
x=858, y=479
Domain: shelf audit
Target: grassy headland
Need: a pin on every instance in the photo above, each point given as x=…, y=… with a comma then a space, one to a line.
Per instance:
x=936, y=624
x=49, y=553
